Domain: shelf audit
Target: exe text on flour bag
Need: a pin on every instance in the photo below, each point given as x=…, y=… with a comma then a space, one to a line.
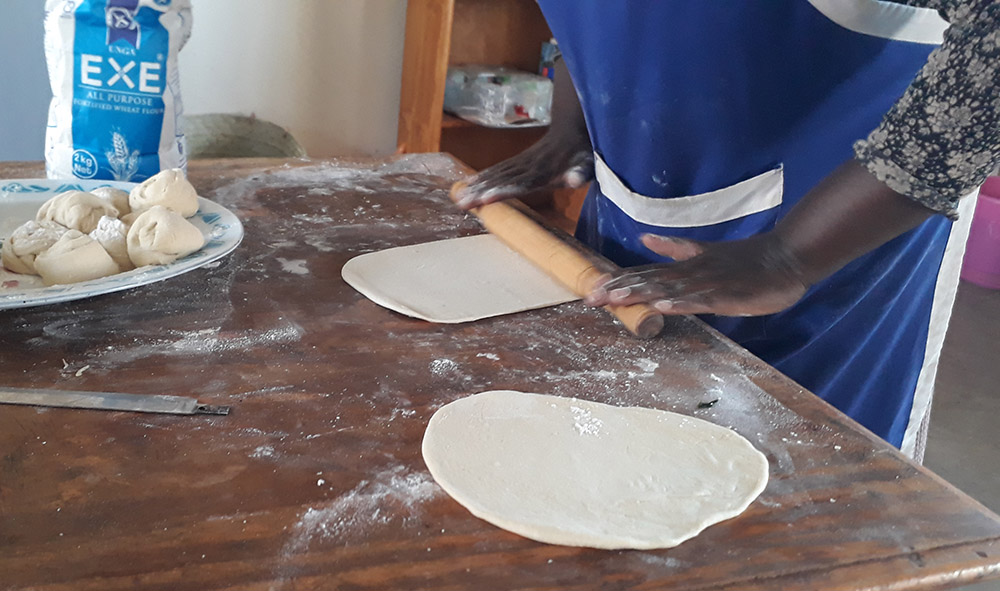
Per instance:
x=116, y=93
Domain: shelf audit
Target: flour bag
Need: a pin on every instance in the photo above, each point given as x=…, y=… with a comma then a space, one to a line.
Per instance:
x=116, y=94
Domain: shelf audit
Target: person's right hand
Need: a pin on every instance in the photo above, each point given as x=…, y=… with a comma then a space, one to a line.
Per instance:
x=563, y=158
x=554, y=162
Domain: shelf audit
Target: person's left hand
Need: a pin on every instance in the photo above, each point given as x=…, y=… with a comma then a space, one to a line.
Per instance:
x=750, y=277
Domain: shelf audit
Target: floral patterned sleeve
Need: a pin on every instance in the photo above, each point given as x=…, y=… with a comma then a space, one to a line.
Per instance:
x=942, y=138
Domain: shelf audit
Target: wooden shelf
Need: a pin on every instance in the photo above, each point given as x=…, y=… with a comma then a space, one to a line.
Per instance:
x=491, y=32
x=480, y=147
x=444, y=32
x=449, y=121
x=498, y=33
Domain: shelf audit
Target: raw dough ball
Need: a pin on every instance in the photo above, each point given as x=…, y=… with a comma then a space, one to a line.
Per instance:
x=160, y=236
x=26, y=242
x=116, y=197
x=168, y=188
x=73, y=258
x=110, y=233
x=77, y=210
x=129, y=218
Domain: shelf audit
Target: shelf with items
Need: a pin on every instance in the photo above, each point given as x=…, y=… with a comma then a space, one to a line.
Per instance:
x=440, y=33
x=449, y=121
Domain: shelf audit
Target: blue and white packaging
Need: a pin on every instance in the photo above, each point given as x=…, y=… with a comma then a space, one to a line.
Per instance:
x=116, y=100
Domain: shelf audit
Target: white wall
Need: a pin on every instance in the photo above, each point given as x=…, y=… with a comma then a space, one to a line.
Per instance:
x=24, y=82
x=326, y=70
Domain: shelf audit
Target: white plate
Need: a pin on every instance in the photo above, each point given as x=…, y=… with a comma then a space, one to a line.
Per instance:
x=20, y=200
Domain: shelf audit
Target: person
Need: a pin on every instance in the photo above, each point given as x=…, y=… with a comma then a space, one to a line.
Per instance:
x=791, y=170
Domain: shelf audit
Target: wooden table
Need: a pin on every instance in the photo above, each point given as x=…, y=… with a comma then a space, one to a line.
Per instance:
x=315, y=481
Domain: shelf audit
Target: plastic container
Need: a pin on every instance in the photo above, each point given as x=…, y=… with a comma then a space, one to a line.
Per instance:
x=498, y=97
x=982, y=252
x=547, y=63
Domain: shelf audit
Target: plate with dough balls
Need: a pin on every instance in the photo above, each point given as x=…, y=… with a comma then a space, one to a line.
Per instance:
x=65, y=240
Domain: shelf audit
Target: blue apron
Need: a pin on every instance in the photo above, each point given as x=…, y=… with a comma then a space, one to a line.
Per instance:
x=710, y=120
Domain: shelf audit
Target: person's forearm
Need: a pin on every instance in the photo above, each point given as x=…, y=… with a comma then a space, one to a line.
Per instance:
x=942, y=137
x=847, y=215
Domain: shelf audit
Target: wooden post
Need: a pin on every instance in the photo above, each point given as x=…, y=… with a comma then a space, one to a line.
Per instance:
x=425, y=68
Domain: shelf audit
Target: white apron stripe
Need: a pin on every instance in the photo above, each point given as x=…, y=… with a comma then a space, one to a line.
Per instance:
x=944, y=298
x=754, y=195
x=888, y=20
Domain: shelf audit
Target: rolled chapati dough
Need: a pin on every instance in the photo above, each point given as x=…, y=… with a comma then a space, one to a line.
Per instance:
x=456, y=280
x=577, y=473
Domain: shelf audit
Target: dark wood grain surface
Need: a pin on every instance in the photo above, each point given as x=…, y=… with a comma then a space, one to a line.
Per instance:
x=315, y=481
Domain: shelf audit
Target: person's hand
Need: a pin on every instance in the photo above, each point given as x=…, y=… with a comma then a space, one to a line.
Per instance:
x=749, y=277
x=554, y=162
x=563, y=158
x=845, y=216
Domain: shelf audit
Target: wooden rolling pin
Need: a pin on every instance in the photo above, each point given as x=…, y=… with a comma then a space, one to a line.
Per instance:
x=560, y=259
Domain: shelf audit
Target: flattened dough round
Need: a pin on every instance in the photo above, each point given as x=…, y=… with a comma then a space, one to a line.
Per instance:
x=452, y=281
x=578, y=473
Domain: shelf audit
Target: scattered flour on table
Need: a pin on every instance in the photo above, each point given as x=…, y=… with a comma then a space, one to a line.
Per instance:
x=328, y=178
x=295, y=266
x=210, y=339
x=368, y=225
x=263, y=451
x=262, y=391
x=598, y=374
x=255, y=432
x=319, y=243
x=391, y=495
x=647, y=367
x=72, y=370
x=656, y=560
x=402, y=412
x=282, y=244
x=312, y=219
x=443, y=366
